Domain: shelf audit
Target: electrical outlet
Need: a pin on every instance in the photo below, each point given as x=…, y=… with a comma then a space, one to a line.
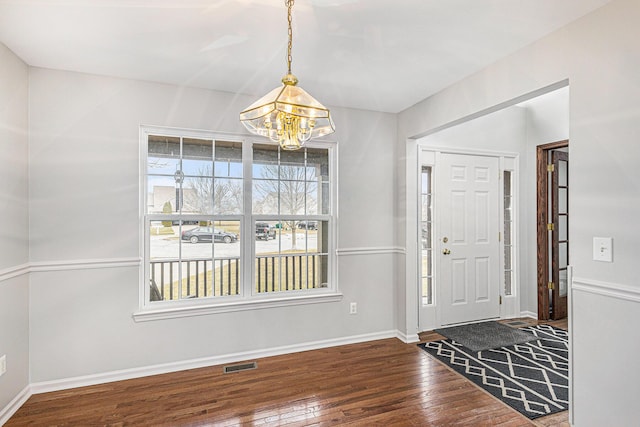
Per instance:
x=353, y=308
x=3, y=364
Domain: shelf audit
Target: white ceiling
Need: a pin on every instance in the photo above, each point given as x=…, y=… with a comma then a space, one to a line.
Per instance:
x=382, y=55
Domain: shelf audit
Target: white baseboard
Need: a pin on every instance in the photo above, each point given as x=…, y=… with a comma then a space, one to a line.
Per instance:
x=13, y=406
x=407, y=339
x=529, y=314
x=126, y=374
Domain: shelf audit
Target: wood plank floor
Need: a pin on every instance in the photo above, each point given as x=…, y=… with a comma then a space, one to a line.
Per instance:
x=383, y=383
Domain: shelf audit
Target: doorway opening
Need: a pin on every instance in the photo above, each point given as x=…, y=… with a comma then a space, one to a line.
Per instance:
x=552, y=229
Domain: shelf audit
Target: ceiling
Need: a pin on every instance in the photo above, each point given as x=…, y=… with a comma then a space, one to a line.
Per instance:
x=382, y=55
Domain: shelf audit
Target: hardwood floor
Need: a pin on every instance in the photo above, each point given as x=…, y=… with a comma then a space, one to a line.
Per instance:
x=383, y=382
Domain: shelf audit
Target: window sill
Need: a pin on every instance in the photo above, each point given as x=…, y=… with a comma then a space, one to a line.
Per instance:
x=150, y=314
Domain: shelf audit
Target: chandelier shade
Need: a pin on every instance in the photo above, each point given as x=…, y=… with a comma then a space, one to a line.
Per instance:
x=288, y=115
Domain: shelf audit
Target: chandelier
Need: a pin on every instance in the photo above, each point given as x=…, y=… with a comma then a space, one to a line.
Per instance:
x=288, y=115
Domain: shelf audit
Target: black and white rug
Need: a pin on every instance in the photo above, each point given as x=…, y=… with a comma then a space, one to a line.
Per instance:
x=532, y=378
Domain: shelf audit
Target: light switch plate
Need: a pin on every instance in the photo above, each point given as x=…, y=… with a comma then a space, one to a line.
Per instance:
x=603, y=249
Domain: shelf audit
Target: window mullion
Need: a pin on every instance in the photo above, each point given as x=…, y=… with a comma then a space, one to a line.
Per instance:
x=248, y=223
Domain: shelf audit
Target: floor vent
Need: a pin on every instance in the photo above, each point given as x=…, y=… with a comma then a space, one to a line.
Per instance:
x=240, y=367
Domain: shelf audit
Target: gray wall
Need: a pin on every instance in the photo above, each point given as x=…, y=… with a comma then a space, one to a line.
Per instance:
x=84, y=161
x=547, y=118
x=599, y=55
x=14, y=225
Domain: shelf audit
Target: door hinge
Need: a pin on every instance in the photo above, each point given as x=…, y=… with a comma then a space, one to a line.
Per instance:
x=551, y=168
x=500, y=299
x=499, y=236
x=551, y=285
x=550, y=226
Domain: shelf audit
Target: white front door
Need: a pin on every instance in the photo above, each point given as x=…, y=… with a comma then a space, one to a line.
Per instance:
x=468, y=248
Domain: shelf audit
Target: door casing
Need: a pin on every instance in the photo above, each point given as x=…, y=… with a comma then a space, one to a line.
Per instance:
x=542, y=210
x=429, y=317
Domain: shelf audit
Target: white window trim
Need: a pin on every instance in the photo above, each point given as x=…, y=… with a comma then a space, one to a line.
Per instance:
x=247, y=299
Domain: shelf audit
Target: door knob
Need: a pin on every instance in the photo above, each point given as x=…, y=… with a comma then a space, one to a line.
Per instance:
x=446, y=251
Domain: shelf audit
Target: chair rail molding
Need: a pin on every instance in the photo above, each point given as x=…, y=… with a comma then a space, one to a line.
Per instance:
x=371, y=250
x=83, y=264
x=613, y=290
x=15, y=271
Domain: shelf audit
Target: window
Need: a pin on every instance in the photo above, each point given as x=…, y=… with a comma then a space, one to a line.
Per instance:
x=508, y=233
x=233, y=221
x=426, y=258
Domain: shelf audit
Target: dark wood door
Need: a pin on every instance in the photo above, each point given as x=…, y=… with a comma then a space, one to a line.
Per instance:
x=560, y=232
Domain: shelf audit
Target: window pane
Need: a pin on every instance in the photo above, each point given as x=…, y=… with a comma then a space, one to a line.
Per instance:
x=426, y=207
x=427, y=287
x=324, y=198
x=507, y=257
x=265, y=161
x=507, y=183
x=317, y=164
x=164, y=260
x=563, y=200
x=227, y=196
x=293, y=197
x=197, y=157
x=312, y=197
x=507, y=282
x=163, y=155
x=563, y=173
x=228, y=161
x=161, y=194
x=563, y=283
x=198, y=195
x=292, y=165
x=563, y=249
x=563, y=227
x=265, y=196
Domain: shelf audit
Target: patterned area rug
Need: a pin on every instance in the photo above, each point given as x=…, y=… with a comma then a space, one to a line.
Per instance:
x=532, y=377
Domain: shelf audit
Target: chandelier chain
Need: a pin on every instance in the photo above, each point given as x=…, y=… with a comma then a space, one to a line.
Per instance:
x=289, y=4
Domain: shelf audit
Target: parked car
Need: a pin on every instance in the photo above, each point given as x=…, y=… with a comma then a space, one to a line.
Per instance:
x=265, y=231
x=308, y=225
x=206, y=234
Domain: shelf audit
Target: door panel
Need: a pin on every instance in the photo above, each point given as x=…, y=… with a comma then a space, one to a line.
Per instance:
x=467, y=200
x=459, y=281
x=483, y=279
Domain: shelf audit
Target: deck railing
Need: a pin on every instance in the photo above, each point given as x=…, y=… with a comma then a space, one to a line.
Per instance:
x=206, y=277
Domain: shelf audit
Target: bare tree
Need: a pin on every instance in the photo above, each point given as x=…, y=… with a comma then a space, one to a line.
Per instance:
x=223, y=195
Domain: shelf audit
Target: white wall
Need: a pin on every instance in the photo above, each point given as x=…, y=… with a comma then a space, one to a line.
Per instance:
x=14, y=230
x=84, y=203
x=547, y=121
x=598, y=54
